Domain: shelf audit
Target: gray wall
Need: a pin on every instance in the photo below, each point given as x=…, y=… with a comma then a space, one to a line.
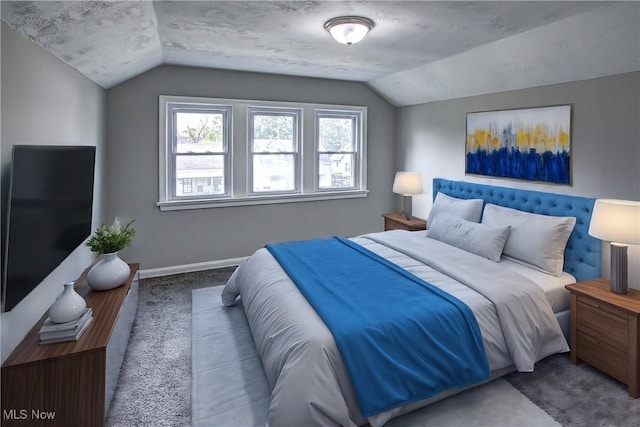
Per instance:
x=191, y=236
x=45, y=102
x=605, y=141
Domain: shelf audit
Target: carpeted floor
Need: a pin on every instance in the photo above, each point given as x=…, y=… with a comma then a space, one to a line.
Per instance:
x=154, y=388
x=578, y=395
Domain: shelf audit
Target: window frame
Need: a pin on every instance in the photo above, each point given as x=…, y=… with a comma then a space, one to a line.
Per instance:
x=237, y=179
x=298, y=116
x=169, y=154
x=358, y=147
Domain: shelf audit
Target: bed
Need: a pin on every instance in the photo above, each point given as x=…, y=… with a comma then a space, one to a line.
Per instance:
x=307, y=374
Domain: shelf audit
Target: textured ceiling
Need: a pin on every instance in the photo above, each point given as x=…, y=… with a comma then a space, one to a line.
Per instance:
x=418, y=51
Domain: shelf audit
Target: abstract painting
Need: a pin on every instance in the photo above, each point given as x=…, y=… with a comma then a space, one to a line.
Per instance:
x=531, y=144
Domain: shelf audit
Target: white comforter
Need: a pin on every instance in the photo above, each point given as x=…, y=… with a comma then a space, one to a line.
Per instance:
x=309, y=382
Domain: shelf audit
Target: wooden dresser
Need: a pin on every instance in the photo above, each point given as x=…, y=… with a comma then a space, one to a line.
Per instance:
x=396, y=221
x=72, y=383
x=605, y=330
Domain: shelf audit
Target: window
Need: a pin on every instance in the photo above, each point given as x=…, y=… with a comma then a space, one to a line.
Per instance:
x=197, y=150
x=339, y=138
x=229, y=152
x=274, y=160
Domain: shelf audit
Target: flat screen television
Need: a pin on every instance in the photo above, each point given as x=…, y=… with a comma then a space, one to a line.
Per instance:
x=48, y=213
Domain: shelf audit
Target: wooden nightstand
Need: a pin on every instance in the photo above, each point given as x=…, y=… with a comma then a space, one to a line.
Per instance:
x=605, y=330
x=395, y=221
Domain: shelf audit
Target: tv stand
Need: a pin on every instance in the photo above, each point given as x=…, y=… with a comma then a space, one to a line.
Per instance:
x=71, y=383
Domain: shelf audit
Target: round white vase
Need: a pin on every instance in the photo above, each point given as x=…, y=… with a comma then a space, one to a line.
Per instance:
x=68, y=306
x=108, y=273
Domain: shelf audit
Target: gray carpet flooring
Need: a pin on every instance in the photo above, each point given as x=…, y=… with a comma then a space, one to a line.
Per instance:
x=154, y=388
x=578, y=395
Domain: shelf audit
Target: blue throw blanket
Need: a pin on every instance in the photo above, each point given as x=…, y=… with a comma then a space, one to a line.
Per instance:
x=401, y=338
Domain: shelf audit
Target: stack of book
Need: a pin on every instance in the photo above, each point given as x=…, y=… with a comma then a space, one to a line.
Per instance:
x=51, y=332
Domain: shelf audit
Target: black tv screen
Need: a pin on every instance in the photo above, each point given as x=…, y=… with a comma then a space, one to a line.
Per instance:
x=49, y=213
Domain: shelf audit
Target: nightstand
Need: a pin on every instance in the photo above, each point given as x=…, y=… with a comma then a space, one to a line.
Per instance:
x=605, y=330
x=395, y=221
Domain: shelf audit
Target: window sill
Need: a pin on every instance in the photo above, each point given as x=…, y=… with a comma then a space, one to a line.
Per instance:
x=177, y=205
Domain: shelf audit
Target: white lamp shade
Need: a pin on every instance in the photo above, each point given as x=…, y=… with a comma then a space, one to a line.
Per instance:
x=348, y=33
x=349, y=29
x=407, y=183
x=616, y=221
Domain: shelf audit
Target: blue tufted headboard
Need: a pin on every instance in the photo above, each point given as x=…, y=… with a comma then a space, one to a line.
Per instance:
x=583, y=255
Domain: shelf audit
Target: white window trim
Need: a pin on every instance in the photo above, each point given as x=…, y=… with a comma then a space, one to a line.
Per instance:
x=239, y=194
x=298, y=120
x=359, y=153
x=168, y=104
x=260, y=200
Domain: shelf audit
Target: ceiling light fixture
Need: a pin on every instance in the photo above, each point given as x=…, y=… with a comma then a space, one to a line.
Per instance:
x=349, y=29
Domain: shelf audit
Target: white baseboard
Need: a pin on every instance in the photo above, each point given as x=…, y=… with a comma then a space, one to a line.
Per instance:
x=188, y=268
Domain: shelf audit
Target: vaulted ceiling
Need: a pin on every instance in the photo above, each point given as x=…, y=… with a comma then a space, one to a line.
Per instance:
x=418, y=51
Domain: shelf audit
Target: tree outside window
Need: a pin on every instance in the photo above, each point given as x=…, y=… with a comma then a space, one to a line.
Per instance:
x=199, y=151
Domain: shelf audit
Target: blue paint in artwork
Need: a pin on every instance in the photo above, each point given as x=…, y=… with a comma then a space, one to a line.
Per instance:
x=548, y=166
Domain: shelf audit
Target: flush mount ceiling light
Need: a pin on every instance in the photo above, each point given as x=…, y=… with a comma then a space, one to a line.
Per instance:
x=349, y=29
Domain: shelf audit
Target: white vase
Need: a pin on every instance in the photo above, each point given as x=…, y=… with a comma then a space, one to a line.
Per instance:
x=108, y=273
x=68, y=306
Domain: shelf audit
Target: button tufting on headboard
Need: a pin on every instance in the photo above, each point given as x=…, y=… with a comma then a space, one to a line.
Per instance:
x=583, y=254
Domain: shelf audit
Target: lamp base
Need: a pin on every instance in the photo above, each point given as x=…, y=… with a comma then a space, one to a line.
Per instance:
x=619, y=268
x=407, y=207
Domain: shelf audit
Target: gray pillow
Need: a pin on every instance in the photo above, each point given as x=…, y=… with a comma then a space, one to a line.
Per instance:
x=537, y=240
x=469, y=209
x=480, y=239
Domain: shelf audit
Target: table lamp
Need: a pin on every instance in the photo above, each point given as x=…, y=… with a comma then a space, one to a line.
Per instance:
x=407, y=184
x=618, y=222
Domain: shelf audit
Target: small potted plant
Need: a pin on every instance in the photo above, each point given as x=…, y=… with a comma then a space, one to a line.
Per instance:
x=110, y=271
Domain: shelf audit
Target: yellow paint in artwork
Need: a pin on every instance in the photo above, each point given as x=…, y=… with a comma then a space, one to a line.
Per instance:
x=538, y=136
x=470, y=144
x=480, y=139
x=550, y=143
x=495, y=142
x=523, y=138
x=563, y=139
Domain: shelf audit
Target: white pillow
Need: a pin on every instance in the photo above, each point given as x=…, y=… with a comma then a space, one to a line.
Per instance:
x=479, y=239
x=469, y=209
x=538, y=240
